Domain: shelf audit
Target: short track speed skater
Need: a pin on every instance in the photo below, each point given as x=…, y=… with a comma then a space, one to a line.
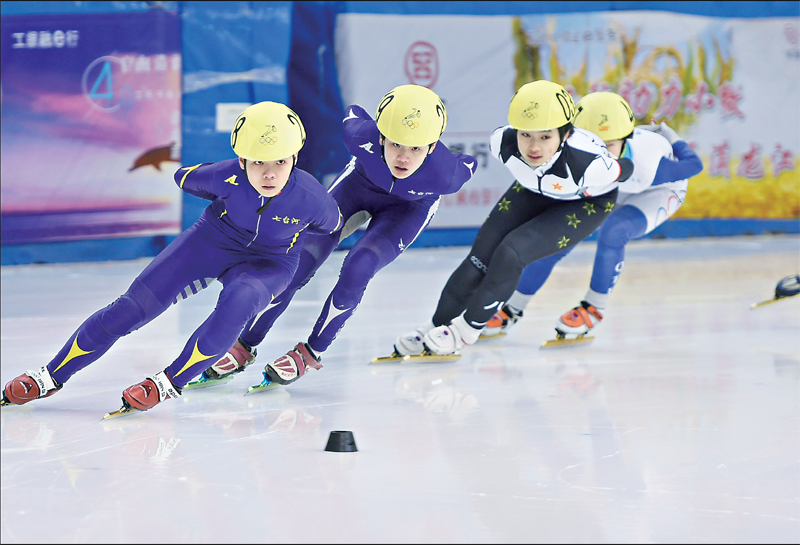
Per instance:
x=787, y=287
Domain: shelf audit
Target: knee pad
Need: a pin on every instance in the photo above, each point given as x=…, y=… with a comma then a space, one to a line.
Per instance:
x=245, y=296
x=132, y=310
x=506, y=258
x=364, y=261
x=123, y=316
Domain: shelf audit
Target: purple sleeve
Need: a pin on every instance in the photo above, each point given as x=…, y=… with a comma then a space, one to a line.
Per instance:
x=358, y=126
x=685, y=165
x=203, y=180
x=319, y=206
x=454, y=169
x=329, y=219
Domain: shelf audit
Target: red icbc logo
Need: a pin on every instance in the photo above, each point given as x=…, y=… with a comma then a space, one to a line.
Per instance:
x=422, y=64
x=790, y=31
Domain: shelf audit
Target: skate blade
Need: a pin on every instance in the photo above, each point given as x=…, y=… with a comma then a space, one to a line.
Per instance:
x=768, y=301
x=121, y=412
x=263, y=387
x=562, y=342
x=204, y=382
x=490, y=337
x=421, y=358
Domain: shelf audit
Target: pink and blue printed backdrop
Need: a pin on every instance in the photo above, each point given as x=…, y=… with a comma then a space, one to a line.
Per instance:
x=91, y=126
x=728, y=85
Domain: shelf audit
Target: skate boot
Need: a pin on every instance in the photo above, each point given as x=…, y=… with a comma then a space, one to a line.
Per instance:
x=150, y=392
x=501, y=322
x=292, y=366
x=29, y=386
x=578, y=321
x=238, y=357
x=410, y=344
x=448, y=339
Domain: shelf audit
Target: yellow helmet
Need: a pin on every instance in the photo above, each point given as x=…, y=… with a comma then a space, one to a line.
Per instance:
x=540, y=106
x=411, y=115
x=267, y=131
x=607, y=115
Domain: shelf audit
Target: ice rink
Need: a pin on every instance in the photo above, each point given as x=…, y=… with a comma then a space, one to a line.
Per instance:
x=680, y=423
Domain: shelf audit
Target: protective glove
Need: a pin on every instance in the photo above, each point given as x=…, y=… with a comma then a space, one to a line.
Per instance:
x=664, y=130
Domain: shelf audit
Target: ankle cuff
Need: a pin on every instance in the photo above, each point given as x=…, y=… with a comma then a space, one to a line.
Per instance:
x=467, y=333
x=166, y=389
x=44, y=381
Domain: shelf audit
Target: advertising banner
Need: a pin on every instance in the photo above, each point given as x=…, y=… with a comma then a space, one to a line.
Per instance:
x=91, y=126
x=729, y=86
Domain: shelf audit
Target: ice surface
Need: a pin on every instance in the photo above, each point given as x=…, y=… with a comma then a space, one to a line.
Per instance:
x=680, y=423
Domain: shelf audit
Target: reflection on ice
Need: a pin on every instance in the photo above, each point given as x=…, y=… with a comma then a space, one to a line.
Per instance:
x=678, y=423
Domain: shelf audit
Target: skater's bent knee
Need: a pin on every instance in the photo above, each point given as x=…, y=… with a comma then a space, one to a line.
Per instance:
x=247, y=295
x=364, y=260
x=507, y=258
x=625, y=225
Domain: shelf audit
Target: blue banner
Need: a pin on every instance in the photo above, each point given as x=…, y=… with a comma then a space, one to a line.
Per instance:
x=91, y=127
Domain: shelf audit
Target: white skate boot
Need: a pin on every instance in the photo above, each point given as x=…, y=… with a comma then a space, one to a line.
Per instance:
x=450, y=338
x=411, y=347
x=410, y=344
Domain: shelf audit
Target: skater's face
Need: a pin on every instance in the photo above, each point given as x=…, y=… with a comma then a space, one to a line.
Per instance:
x=402, y=160
x=538, y=147
x=268, y=177
x=615, y=147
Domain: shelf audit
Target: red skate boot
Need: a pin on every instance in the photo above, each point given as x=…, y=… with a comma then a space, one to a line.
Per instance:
x=238, y=357
x=146, y=395
x=234, y=361
x=292, y=366
x=29, y=386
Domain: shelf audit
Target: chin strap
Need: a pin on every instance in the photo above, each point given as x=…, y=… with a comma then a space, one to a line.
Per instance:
x=263, y=207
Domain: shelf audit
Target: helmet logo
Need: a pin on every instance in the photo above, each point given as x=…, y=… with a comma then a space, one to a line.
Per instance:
x=294, y=120
x=442, y=115
x=268, y=137
x=529, y=113
x=235, y=133
x=628, y=109
x=603, y=126
x=384, y=103
x=567, y=105
x=409, y=121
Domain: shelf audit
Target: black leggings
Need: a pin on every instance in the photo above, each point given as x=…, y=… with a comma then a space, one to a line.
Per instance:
x=521, y=228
